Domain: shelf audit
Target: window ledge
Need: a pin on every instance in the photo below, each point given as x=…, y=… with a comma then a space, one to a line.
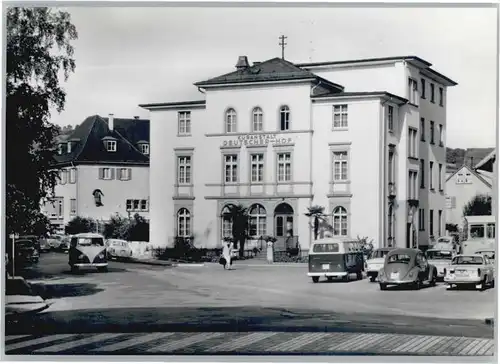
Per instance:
x=432, y=189
x=432, y=143
x=230, y=183
x=412, y=104
x=184, y=185
x=422, y=140
x=441, y=190
x=441, y=144
x=284, y=182
x=433, y=101
x=340, y=129
x=422, y=187
x=184, y=135
x=413, y=158
x=340, y=182
x=257, y=183
x=180, y=197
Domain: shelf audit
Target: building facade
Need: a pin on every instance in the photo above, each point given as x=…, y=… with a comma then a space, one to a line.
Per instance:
x=461, y=187
x=103, y=171
x=356, y=137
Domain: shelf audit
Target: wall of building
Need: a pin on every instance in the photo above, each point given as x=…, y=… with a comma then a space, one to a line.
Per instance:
x=460, y=189
x=382, y=76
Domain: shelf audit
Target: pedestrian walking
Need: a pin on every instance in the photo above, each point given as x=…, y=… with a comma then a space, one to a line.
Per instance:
x=226, y=254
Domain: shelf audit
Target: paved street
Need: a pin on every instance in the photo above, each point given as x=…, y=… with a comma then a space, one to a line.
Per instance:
x=133, y=299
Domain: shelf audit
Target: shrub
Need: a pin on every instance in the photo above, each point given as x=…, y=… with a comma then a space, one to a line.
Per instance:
x=80, y=225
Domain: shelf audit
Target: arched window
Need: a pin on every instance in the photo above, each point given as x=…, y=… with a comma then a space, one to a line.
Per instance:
x=257, y=119
x=257, y=216
x=230, y=121
x=285, y=118
x=227, y=223
x=183, y=223
x=340, y=221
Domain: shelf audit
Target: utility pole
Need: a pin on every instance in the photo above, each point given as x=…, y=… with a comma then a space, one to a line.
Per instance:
x=282, y=44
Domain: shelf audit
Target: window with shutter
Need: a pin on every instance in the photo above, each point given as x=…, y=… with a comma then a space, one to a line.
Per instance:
x=112, y=173
x=101, y=173
x=130, y=174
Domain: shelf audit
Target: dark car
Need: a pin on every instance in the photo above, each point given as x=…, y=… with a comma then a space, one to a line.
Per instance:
x=26, y=253
x=406, y=267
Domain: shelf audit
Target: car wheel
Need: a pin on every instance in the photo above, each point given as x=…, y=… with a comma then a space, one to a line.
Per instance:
x=345, y=278
x=372, y=278
x=383, y=286
x=74, y=269
x=102, y=269
x=482, y=285
x=433, y=279
x=315, y=279
x=359, y=276
x=418, y=284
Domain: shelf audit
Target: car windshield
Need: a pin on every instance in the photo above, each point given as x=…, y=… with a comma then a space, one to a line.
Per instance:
x=326, y=248
x=439, y=254
x=87, y=241
x=119, y=243
x=468, y=260
x=378, y=254
x=444, y=240
x=490, y=254
x=399, y=258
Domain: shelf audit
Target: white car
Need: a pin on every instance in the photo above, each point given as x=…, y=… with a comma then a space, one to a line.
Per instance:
x=441, y=259
x=375, y=262
x=118, y=249
x=470, y=269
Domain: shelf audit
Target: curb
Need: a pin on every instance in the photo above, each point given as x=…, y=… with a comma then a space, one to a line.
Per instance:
x=154, y=262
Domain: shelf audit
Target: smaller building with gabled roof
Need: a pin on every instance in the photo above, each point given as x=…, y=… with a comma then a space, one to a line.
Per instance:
x=461, y=187
x=103, y=171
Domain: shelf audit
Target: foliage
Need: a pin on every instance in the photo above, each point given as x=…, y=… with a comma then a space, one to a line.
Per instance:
x=479, y=205
x=239, y=217
x=319, y=219
x=136, y=229
x=38, y=52
x=80, y=225
x=269, y=238
x=455, y=156
x=452, y=228
x=139, y=229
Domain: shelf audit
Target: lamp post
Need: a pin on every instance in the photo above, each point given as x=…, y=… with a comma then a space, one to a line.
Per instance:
x=13, y=254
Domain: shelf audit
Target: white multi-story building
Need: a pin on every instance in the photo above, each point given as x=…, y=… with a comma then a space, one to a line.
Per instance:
x=364, y=139
x=103, y=171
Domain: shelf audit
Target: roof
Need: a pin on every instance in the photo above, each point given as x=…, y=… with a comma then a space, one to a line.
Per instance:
x=174, y=105
x=360, y=94
x=416, y=61
x=90, y=149
x=477, y=175
x=275, y=69
x=480, y=219
x=486, y=160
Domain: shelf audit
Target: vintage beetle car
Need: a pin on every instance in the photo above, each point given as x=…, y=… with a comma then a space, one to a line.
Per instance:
x=470, y=269
x=26, y=253
x=118, y=249
x=440, y=258
x=375, y=262
x=406, y=267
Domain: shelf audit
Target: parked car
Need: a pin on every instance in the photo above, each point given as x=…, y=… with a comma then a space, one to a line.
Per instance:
x=87, y=250
x=25, y=254
x=470, y=269
x=440, y=258
x=118, y=249
x=54, y=241
x=375, y=262
x=406, y=267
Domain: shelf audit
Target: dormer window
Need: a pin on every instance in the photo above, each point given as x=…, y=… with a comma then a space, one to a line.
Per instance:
x=60, y=149
x=111, y=145
x=145, y=149
x=69, y=147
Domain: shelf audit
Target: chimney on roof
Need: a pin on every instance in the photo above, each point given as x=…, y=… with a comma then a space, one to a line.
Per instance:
x=111, y=122
x=242, y=63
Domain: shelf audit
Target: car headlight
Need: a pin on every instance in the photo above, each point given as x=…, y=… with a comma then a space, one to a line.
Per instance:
x=411, y=274
x=101, y=256
x=81, y=256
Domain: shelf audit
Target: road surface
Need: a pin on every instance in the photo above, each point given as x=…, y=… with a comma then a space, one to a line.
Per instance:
x=133, y=301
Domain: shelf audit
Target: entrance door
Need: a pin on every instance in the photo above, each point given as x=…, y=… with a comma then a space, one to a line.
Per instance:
x=283, y=226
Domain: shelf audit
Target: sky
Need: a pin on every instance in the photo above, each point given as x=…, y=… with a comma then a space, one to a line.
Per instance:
x=131, y=56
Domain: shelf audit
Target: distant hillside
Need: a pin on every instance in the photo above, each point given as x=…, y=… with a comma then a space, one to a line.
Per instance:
x=457, y=157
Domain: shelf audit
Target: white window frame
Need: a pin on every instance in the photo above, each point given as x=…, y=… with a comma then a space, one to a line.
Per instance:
x=63, y=176
x=123, y=176
x=433, y=93
x=284, y=166
x=72, y=175
x=340, y=221
x=431, y=175
x=227, y=223
x=413, y=95
x=257, y=219
x=412, y=184
x=60, y=149
x=184, y=123
x=231, y=168
x=441, y=139
x=440, y=175
x=284, y=118
x=184, y=216
x=257, y=167
x=432, y=131
x=184, y=169
x=257, y=119
x=145, y=149
x=390, y=118
x=106, y=173
x=422, y=129
x=441, y=96
x=421, y=220
x=340, y=165
x=230, y=121
x=111, y=145
x=340, y=116
x=72, y=206
x=412, y=142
